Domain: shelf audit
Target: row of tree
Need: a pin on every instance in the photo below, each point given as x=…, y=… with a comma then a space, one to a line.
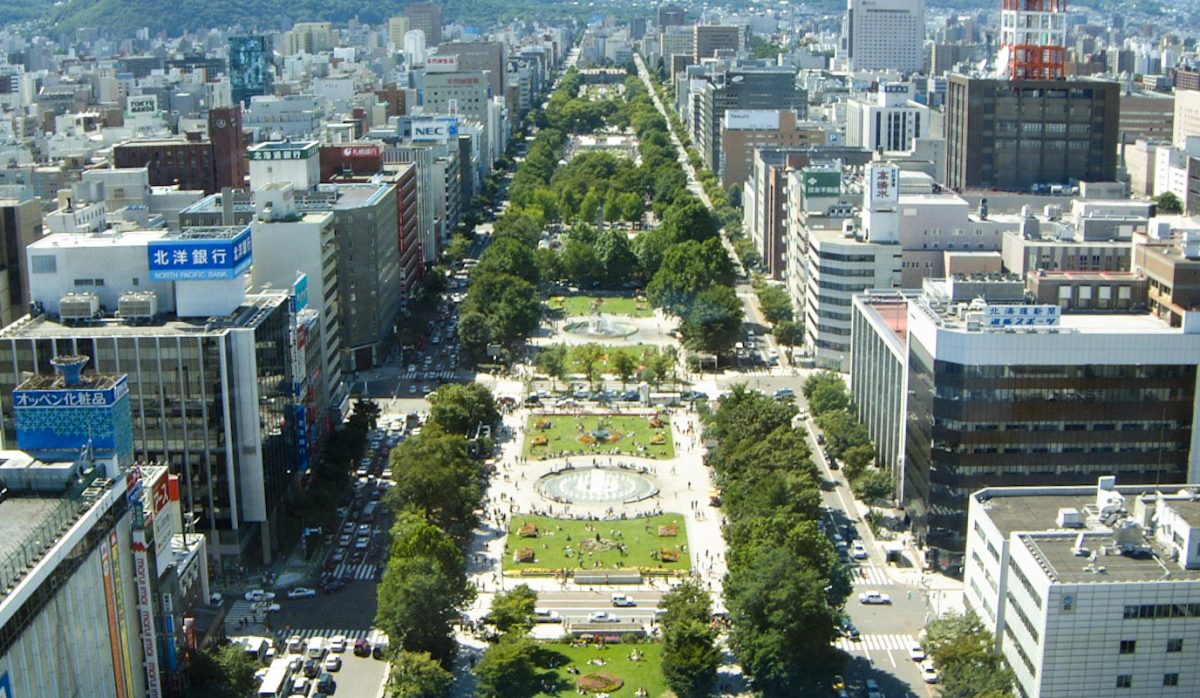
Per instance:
x=846, y=438
x=424, y=587
x=786, y=585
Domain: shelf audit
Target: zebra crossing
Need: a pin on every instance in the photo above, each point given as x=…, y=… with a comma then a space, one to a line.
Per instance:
x=352, y=635
x=876, y=643
x=870, y=576
x=364, y=570
x=429, y=375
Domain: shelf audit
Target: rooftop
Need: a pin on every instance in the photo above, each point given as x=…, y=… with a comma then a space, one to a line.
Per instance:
x=1058, y=554
x=87, y=381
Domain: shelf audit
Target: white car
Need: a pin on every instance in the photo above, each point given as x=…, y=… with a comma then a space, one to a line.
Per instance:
x=874, y=597
x=259, y=595
x=295, y=644
x=603, y=617
x=623, y=600
x=266, y=607
x=916, y=652
x=858, y=551
x=332, y=663
x=362, y=543
x=542, y=615
x=337, y=643
x=929, y=671
x=301, y=593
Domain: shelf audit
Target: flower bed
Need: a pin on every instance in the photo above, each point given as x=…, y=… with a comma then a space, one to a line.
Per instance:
x=600, y=682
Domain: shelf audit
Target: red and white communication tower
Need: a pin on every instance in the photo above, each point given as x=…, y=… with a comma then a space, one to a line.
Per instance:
x=1033, y=39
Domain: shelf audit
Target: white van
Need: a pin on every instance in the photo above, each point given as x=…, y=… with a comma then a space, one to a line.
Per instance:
x=316, y=647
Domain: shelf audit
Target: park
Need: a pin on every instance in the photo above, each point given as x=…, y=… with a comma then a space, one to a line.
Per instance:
x=551, y=435
x=655, y=545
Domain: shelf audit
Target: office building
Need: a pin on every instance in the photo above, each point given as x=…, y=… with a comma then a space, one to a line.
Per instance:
x=1145, y=115
x=740, y=88
x=426, y=17
x=1170, y=261
x=250, y=69
x=1015, y=135
x=745, y=131
x=1186, y=120
x=488, y=56
x=883, y=35
x=307, y=38
x=207, y=165
x=671, y=15
x=397, y=27
x=709, y=40
x=1033, y=39
x=1089, y=590
x=997, y=391
x=20, y=226
x=889, y=120
x=211, y=367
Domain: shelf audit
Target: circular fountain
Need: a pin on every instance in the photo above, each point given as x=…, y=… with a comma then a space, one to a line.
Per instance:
x=597, y=486
x=601, y=326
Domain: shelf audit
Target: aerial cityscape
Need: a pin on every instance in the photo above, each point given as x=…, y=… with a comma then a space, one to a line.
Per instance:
x=618, y=349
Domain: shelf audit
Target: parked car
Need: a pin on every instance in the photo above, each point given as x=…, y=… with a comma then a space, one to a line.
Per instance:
x=301, y=593
x=623, y=600
x=858, y=551
x=332, y=663
x=873, y=689
x=362, y=648
x=337, y=643
x=259, y=595
x=379, y=649
x=929, y=671
x=916, y=652
x=874, y=597
x=785, y=394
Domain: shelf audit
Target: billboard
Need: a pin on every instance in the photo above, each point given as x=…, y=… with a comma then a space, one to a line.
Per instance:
x=205, y=259
x=55, y=423
x=820, y=183
x=141, y=104
x=439, y=130
x=300, y=293
x=1020, y=316
x=751, y=119
x=145, y=608
x=882, y=186
x=441, y=64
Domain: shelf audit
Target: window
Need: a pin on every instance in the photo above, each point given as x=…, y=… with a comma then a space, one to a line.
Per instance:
x=1068, y=603
x=1128, y=646
x=1125, y=681
x=1175, y=644
x=44, y=264
x=1170, y=679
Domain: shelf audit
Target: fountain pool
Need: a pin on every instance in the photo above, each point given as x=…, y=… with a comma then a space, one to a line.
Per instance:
x=601, y=326
x=597, y=486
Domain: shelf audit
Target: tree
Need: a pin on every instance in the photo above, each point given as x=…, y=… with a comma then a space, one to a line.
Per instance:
x=587, y=360
x=963, y=651
x=774, y=302
x=548, y=266
x=460, y=408
x=552, y=361
x=615, y=256
x=513, y=610
x=418, y=675
x=438, y=477
x=818, y=379
x=458, y=248
x=226, y=671
x=625, y=365
x=413, y=535
x=689, y=219
x=507, y=669
x=858, y=456
x=829, y=397
x=473, y=330
x=418, y=606
x=843, y=432
x=580, y=263
x=1169, y=203
x=714, y=322
x=690, y=658
x=686, y=601
x=507, y=255
x=687, y=269
x=872, y=485
x=789, y=332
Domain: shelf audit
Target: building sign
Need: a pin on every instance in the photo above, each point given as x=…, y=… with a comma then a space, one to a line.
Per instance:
x=114, y=630
x=818, y=183
x=176, y=259
x=439, y=130
x=1020, y=316
x=895, y=89
x=882, y=186
x=145, y=606
x=300, y=293
x=362, y=151
x=752, y=119
x=141, y=104
x=441, y=64
x=119, y=595
x=299, y=415
x=464, y=81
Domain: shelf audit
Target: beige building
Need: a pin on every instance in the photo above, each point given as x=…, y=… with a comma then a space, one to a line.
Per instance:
x=1187, y=117
x=745, y=130
x=1145, y=115
x=20, y=226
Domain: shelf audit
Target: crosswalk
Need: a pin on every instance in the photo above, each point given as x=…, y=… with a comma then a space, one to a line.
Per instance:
x=870, y=576
x=875, y=643
x=365, y=570
x=352, y=635
x=241, y=610
x=429, y=375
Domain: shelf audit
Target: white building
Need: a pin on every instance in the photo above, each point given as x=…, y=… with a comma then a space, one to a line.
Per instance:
x=883, y=35
x=1171, y=167
x=1090, y=591
x=1187, y=117
x=888, y=120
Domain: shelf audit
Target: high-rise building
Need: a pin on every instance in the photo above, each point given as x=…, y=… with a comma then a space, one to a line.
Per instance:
x=480, y=55
x=1016, y=134
x=671, y=15
x=1033, y=39
x=888, y=120
x=884, y=35
x=1089, y=590
x=426, y=16
x=397, y=27
x=745, y=131
x=743, y=87
x=709, y=39
x=20, y=226
x=250, y=70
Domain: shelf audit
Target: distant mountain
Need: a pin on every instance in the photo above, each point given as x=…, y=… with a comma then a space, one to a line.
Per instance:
x=177, y=16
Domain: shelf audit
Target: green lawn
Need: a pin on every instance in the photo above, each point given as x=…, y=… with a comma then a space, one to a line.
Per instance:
x=566, y=435
x=558, y=544
x=645, y=673
x=640, y=353
x=610, y=305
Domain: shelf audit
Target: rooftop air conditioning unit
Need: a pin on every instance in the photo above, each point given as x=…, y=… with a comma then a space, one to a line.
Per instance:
x=79, y=307
x=138, y=306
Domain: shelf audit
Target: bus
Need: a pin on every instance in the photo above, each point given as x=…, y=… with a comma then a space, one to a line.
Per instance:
x=275, y=683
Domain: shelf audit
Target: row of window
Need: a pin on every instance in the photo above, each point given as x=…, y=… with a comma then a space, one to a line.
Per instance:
x=1162, y=610
x=1126, y=680
x=1130, y=646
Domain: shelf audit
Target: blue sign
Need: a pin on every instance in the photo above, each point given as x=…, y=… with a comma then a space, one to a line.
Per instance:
x=300, y=293
x=6, y=689
x=176, y=259
x=299, y=413
x=56, y=424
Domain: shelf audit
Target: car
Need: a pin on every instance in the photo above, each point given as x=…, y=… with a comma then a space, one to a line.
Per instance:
x=873, y=689
x=849, y=630
x=929, y=671
x=623, y=600
x=259, y=595
x=858, y=551
x=300, y=685
x=603, y=617
x=362, y=648
x=379, y=649
x=266, y=607
x=301, y=593
x=364, y=529
x=785, y=394
x=916, y=652
x=583, y=395
x=630, y=396
x=338, y=556
x=311, y=668
x=874, y=598
x=542, y=615
x=295, y=644
x=337, y=643
x=839, y=683
x=345, y=539
x=332, y=586
x=325, y=683
x=362, y=543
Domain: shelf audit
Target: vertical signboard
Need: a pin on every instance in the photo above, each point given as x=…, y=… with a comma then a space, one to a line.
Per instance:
x=119, y=596
x=882, y=186
x=145, y=607
x=114, y=624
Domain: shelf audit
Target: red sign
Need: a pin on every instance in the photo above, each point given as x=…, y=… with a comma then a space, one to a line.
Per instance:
x=362, y=151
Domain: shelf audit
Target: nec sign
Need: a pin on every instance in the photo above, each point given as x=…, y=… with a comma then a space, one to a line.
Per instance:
x=434, y=130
